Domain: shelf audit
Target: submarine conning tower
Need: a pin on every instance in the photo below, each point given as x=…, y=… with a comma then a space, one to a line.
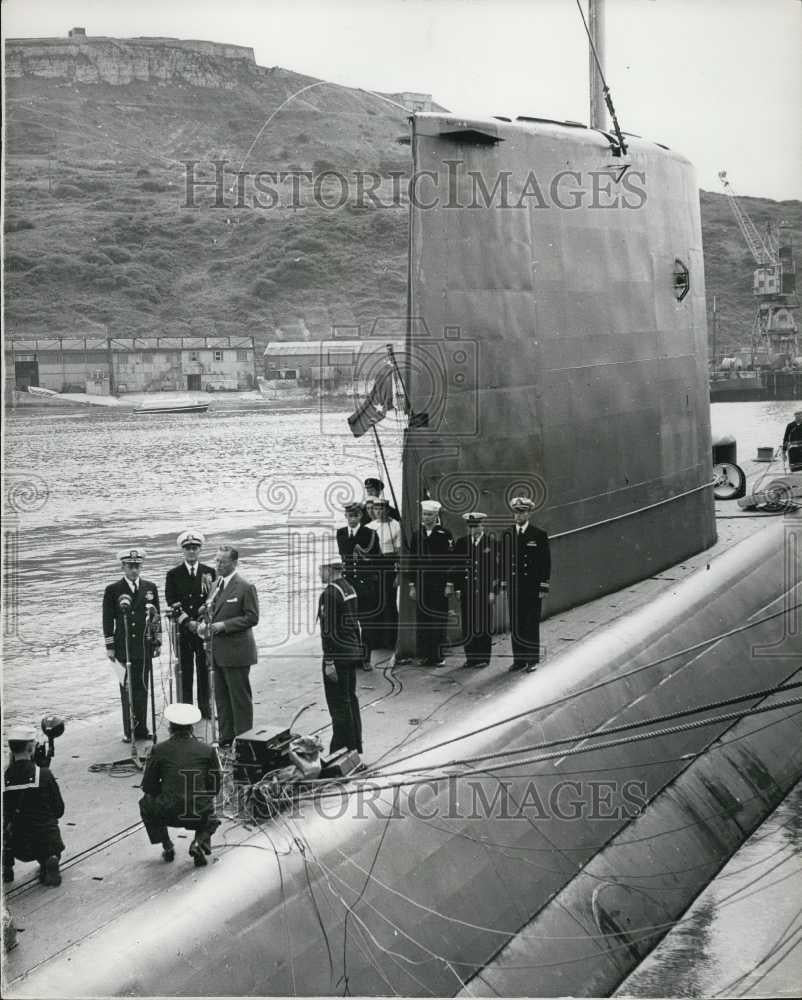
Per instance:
x=557, y=343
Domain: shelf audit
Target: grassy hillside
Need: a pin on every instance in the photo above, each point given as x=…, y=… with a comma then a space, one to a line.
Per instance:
x=98, y=236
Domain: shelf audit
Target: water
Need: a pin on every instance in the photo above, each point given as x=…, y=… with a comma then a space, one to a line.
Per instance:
x=743, y=934
x=81, y=486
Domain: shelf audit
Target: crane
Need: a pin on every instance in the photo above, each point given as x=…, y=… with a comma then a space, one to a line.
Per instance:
x=774, y=331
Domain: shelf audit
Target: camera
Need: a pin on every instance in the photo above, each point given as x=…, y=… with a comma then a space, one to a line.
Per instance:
x=52, y=727
x=176, y=613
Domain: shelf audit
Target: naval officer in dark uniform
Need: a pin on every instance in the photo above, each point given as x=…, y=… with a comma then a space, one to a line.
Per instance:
x=32, y=807
x=188, y=585
x=359, y=548
x=180, y=784
x=430, y=561
x=374, y=490
x=792, y=442
x=476, y=578
x=527, y=565
x=132, y=629
x=341, y=640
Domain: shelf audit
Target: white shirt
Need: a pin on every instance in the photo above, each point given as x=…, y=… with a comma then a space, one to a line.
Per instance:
x=389, y=533
x=193, y=569
x=133, y=585
x=226, y=579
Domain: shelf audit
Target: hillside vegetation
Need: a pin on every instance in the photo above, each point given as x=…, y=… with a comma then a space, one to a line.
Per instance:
x=98, y=238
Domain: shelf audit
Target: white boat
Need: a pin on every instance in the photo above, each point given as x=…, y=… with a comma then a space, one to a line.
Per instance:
x=173, y=406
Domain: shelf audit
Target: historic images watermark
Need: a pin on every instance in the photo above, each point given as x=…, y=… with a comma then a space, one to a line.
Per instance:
x=450, y=798
x=217, y=184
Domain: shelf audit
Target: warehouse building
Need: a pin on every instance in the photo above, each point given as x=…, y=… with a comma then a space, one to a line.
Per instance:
x=323, y=364
x=103, y=365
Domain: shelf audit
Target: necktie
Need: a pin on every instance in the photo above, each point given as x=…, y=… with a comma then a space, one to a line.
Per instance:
x=136, y=586
x=192, y=572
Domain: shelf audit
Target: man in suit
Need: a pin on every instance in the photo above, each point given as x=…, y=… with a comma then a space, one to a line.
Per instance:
x=430, y=561
x=233, y=611
x=342, y=654
x=358, y=546
x=185, y=589
x=527, y=565
x=181, y=781
x=476, y=578
x=132, y=632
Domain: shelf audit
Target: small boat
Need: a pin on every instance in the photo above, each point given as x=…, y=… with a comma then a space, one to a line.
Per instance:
x=173, y=406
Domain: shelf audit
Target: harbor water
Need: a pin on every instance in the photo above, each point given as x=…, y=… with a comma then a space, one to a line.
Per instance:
x=82, y=485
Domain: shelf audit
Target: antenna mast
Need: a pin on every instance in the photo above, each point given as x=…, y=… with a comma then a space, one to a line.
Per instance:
x=596, y=65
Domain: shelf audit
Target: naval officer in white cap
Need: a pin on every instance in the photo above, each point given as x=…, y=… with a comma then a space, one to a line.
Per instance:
x=134, y=602
x=528, y=574
x=476, y=578
x=429, y=565
x=180, y=784
x=189, y=584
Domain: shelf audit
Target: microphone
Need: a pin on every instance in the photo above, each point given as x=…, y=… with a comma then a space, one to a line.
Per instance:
x=124, y=602
x=150, y=611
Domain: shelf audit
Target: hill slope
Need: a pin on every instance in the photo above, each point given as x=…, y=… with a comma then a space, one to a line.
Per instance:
x=98, y=234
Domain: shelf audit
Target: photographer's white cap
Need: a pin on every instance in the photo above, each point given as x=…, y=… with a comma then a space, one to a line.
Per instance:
x=190, y=537
x=21, y=734
x=181, y=714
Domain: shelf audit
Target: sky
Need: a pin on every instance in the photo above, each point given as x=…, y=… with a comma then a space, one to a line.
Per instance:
x=718, y=80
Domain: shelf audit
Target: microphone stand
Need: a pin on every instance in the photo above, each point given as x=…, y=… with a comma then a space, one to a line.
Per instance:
x=149, y=629
x=205, y=612
x=130, y=688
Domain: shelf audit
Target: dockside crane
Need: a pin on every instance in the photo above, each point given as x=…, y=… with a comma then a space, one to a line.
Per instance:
x=775, y=342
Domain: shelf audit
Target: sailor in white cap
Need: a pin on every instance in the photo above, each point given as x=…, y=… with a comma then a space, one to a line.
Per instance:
x=32, y=807
x=428, y=567
x=341, y=639
x=181, y=780
x=528, y=572
x=186, y=587
x=132, y=629
x=476, y=578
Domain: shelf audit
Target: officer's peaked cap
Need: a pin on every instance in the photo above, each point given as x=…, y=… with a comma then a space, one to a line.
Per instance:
x=190, y=537
x=522, y=504
x=134, y=555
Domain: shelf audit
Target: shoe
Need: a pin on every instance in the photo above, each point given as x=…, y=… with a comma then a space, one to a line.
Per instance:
x=367, y=666
x=52, y=875
x=226, y=744
x=517, y=665
x=481, y=664
x=437, y=663
x=125, y=739
x=197, y=855
x=8, y=874
x=531, y=668
x=168, y=851
x=142, y=735
x=401, y=661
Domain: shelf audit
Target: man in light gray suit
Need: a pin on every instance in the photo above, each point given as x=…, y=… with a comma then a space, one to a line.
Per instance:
x=233, y=613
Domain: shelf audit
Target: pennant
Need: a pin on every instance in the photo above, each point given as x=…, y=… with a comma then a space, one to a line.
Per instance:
x=375, y=407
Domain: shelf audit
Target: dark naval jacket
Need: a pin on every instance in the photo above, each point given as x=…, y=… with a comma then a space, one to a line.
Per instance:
x=527, y=562
x=340, y=633
x=356, y=548
x=190, y=591
x=430, y=559
x=114, y=621
x=184, y=774
x=476, y=567
x=32, y=807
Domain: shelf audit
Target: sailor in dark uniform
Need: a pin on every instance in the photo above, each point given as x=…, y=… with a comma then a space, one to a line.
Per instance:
x=527, y=572
x=430, y=562
x=32, y=807
x=374, y=490
x=476, y=578
x=188, y=585
x=134, y=602
x=181, y=780
x=359, y=548
x=341, y=640
x=792, y=443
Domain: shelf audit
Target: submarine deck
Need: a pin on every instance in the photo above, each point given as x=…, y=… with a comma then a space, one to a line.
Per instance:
x=109, y=866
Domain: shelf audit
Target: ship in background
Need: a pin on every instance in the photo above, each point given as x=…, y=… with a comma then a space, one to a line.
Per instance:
x=557, y=349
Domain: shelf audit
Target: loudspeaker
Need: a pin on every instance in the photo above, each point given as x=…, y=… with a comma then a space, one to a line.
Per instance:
x=257, y=752
x=340, y=764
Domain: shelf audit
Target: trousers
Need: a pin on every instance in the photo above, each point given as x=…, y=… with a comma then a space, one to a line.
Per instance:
x=343, y=704
x=140, y=676
x=193, y=662
x=234, y=701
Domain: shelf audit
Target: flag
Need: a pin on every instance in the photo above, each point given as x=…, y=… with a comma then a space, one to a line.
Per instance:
x=375, y=407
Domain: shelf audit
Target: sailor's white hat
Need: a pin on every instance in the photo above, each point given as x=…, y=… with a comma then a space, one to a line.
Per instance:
x=430, y=506
x=190, y=537
x=474, y=517
x=522, y=504
x=21, y=734
x=132, y=555
x=181, y=714
x=332, y=564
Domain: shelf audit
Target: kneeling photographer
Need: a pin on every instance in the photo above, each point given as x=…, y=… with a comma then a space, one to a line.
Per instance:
x=32, y=803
